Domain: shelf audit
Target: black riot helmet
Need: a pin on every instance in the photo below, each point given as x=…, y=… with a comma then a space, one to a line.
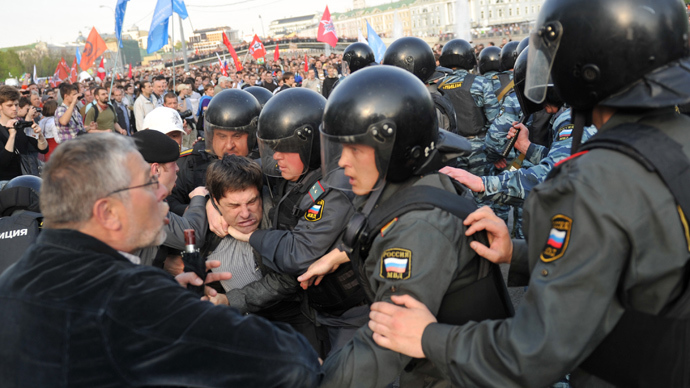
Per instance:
x=617, y=53
x=521, y=46
x=399, y=124
x=489, y=59
x=458, y=53
x=20, y=193
x=508, y=56
x=356, y=56
x=519, y=75
x=260, y=93
x=232, y=110
x=412, y=54
x=289, y=123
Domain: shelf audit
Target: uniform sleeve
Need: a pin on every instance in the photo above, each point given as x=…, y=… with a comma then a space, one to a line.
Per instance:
x=432, y=265
x=293, y=251
x=512, y=187
x=269, y=290
x=495, y=140
x=179, y=198
x=569, y=307
x=159, y=334
x=490, y=101
x=535, y=153
x=193, y=218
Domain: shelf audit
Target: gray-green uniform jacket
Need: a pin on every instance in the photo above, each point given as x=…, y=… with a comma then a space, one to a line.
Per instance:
x=603, y=220
x=420, y=254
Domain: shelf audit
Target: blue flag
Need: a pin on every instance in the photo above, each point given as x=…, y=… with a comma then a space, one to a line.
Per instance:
x=78, y=55
x=120, y=8
x=158, y=33
x=180, y=8
x=375, y=43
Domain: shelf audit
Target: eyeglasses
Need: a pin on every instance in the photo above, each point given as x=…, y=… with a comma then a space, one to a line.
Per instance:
x=153, y=182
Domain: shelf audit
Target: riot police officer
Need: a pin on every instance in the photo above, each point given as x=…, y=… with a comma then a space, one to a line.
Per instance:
x=608, y=231
x=21, y=217
x=472, y=97
x=262, y=94
x=415, y=55
x=489, y=66
x=229, y=128
x=386, y=144
x=308, y=216
x=507, y=58
x=357, y=56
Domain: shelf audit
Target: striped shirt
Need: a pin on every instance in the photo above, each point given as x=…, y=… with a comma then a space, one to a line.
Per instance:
x=236, y=257
x=75, y=125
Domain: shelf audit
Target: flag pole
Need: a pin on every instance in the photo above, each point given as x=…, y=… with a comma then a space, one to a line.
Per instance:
x=112, y=76
x=172, y=27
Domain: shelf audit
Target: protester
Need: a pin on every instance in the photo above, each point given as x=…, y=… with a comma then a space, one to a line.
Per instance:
x=48, y=126
x=17, y=157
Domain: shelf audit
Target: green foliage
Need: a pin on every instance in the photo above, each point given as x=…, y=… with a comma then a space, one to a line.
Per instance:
x=10, y=63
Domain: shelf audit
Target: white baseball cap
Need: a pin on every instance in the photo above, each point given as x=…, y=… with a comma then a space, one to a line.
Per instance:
x=164, y=119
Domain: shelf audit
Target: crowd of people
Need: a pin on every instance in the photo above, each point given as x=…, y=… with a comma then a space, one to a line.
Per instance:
x=352, y=215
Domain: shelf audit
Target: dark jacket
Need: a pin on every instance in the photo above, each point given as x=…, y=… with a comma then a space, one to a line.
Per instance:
x=11, y=162
x=77, y=313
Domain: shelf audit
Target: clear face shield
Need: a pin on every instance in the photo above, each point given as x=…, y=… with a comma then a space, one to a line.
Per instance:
x=543, y=46
x=345, y=68
x=358, y=162
x=282, y=157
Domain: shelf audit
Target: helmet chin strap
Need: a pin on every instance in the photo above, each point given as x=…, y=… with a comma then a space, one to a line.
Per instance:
x=580, y=119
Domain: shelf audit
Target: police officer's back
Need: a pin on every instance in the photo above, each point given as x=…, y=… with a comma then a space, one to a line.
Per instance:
x=21, y=218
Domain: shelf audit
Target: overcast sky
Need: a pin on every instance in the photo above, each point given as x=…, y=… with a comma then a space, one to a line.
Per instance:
x=59, y=21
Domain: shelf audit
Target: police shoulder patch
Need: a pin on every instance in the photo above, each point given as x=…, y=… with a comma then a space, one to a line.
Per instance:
x=565, y=132
x=396, y=263
x=316, y=191
x=559, y=236
x=315, y=212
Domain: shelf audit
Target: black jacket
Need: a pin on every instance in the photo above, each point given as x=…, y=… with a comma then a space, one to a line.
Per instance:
x=77, y=313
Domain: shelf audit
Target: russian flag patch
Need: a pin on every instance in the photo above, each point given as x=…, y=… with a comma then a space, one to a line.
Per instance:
x=559, y=235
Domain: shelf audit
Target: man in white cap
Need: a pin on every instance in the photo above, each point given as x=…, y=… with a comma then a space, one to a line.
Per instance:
x=167, y=121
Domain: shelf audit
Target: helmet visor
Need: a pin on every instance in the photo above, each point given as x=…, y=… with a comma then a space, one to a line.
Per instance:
x=358, y=162
x=287, y=157
x=543, y=46
x=345, y=68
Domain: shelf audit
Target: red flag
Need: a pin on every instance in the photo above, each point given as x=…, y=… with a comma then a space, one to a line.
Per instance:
x=306, y=64
x=326, y=32
x=129, y=74
x=276, y=54
x=226, y=42
x=62, y=70
x=101, y=70
x=222, y=68
x=95, y=46
x=73, y=71
x=256, y=48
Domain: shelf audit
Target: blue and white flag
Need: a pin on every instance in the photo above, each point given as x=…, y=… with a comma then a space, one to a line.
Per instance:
x=78, y=55
x=375, y=43
x=120, y=9
x=158, y=33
